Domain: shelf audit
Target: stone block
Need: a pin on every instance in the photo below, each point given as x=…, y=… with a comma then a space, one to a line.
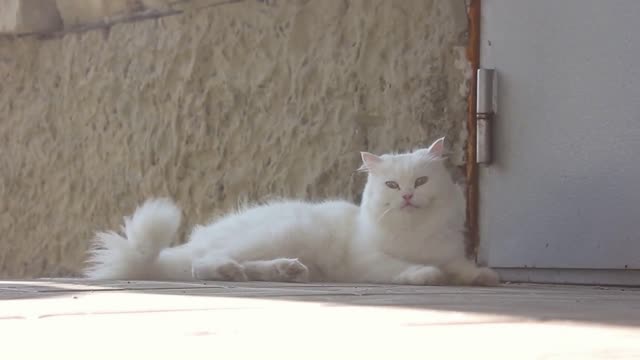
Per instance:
x=79, y=12
x=28, y=16
x=158, y=4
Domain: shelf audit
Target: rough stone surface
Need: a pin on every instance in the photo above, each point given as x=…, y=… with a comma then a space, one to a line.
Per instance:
x=28, y=16
x=218, y=105
x=158, y=4
x=77, y=12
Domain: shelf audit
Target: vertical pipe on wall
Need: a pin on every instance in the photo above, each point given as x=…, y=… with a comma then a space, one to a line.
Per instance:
x=473, y=55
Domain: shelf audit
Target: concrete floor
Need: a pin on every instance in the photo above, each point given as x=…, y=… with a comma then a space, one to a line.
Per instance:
x=75, y=319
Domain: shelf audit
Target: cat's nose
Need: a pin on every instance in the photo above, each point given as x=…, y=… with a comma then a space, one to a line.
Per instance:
x=407, y=197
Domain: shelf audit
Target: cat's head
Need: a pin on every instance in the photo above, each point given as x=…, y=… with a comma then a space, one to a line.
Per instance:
x=405, y=184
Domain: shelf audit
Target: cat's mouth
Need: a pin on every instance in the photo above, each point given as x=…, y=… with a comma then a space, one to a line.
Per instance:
x=409, y=205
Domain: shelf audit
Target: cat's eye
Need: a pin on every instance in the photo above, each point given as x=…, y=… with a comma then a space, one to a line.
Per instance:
x=392, y=185
x=421, y=181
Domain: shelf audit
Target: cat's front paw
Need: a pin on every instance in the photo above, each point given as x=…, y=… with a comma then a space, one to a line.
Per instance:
x=422, y=275
x=486, y=277
x=292, y=270
x=222, y=270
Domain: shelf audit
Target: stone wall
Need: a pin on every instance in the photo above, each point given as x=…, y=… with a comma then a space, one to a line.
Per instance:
x=214, y=105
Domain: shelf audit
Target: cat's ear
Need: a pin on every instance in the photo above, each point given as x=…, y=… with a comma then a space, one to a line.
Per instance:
x=437, y=148
x=369, y=161
x=435, y=151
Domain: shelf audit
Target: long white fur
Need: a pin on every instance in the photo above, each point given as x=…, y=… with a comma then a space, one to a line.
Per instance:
x=332, y=241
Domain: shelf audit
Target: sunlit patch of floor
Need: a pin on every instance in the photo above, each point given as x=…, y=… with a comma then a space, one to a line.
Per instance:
x=168, y=320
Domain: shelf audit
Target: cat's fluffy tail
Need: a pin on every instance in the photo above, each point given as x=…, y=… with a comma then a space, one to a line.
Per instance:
x=152, y=228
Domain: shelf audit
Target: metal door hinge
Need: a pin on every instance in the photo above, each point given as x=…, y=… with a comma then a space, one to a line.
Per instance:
x=485, y=113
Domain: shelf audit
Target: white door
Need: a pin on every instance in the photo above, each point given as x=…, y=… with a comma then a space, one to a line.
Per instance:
x=561, y=202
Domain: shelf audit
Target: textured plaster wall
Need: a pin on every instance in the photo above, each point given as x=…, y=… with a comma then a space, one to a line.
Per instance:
x=213, y=106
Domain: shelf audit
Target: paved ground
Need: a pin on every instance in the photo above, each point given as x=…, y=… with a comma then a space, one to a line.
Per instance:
x=74, y=319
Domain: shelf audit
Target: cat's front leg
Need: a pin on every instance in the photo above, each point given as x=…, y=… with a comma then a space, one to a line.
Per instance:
x=466, y=272
x=382, y=268
x=281, y=269
x=217, y=267
x=421, y=275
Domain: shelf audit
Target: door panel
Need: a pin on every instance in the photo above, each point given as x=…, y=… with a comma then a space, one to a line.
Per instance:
x=564, y=189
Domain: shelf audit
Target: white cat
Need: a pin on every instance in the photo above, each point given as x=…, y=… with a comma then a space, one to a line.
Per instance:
x=408, y=230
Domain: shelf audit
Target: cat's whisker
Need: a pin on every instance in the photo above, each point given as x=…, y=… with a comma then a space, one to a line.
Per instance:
x=383, y=214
